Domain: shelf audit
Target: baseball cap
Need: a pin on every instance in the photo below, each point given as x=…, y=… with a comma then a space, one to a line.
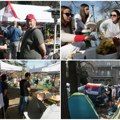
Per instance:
x=30, y=16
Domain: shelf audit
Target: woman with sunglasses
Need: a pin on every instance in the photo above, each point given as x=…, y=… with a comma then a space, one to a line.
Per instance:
x=82, y=18
x=111, y=27
x=74, y=42
x=66, y=27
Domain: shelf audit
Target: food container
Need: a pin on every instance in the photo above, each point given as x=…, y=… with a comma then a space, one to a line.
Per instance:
x=108, y=56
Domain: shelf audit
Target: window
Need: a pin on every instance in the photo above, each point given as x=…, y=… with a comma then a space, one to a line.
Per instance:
x=119, y=73
x=108, y=63
x=96, y=72
x=102, y=72
x=108, y=73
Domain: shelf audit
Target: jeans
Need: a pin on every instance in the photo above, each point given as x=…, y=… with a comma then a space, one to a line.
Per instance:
x=23, y=104
x=13, y=50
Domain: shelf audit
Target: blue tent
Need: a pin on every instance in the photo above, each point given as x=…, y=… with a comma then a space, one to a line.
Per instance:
x=81, y=107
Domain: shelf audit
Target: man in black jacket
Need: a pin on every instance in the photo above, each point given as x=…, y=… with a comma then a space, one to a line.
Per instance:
x=24, y=92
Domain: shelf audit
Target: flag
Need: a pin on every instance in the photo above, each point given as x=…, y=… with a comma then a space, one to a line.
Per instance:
x=9, y=11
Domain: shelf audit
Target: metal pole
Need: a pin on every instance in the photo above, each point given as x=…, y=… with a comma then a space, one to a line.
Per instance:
x=55, y=32
x=93, y=12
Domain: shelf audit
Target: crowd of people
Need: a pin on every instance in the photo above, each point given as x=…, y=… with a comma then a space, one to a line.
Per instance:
x=75, y=37
x=30, y=101
x=112, y=103
x=109, y=99
x=29, y=44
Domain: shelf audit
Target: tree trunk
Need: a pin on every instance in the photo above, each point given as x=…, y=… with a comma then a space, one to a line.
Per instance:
x=64, y=97
x=72, y=77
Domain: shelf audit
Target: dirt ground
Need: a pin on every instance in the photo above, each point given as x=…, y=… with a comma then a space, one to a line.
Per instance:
x=12, y=111
x=14, y=97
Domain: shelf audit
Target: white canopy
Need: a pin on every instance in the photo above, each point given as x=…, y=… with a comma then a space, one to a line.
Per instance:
x=7, y=67
x=40, y=13
x=53, y=68
x=35, y=70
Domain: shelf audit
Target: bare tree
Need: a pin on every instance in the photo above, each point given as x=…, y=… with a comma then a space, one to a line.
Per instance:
x=64, y=100
x=84, y=70
x=108, y=6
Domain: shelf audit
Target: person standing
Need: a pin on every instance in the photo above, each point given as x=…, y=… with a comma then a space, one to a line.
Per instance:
x=13, y=34
x=5, y=94
x=3, y=46
x=113, y=94
x=24, y=93
x=33, y=46
x=109, y=93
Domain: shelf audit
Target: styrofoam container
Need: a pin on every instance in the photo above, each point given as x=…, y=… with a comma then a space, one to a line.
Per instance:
x=79, y=55
x=89, y=53
x=109, y=56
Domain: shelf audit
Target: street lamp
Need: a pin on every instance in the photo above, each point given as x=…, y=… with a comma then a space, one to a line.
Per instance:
x=93, y=12
x=55, y=15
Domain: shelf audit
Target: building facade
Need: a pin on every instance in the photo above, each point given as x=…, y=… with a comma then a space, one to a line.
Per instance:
x=106, y=72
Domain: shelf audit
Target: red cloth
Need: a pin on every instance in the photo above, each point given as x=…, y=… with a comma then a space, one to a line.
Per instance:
x=1, y=35
x=79, y=38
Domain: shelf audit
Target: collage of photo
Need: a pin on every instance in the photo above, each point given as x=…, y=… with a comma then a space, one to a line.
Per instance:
x=59, y=59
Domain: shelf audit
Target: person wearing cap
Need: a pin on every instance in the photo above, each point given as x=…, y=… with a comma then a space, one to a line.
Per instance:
x=36, y=106
x=13, y=33
x=32, y=46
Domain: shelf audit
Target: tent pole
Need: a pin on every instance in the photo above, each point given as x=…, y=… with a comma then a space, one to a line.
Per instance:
x=55, y=32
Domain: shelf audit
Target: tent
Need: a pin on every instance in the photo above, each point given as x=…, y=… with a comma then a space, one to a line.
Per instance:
x=36, y=70
x=81, y=107
x=40, y=12
x=52, y=69
x=8, y=67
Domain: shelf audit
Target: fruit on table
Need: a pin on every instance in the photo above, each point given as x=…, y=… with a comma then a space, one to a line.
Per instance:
x=45, y=91
x=106, y=46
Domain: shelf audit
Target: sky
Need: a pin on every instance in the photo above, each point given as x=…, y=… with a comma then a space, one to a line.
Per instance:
x=97, y=6
x=37, y=63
